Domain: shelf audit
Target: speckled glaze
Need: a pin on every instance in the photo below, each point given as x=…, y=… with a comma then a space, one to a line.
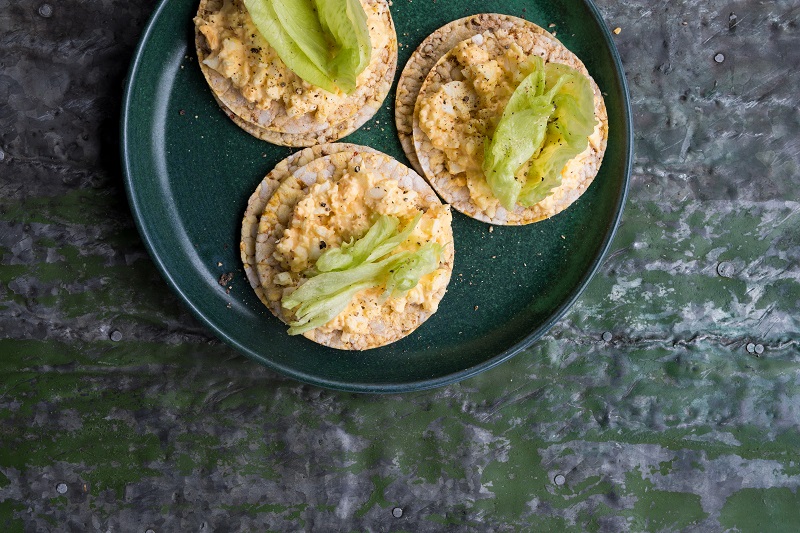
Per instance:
x=189, y=176
x=666, y=399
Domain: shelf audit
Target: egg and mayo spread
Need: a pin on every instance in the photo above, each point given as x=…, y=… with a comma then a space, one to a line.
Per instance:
x=336, y=211
x=242, y=55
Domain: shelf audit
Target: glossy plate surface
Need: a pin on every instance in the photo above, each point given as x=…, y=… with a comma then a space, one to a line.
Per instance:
x=189, y=171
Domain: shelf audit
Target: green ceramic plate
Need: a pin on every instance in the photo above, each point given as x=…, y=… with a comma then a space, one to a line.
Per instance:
x=189, y=171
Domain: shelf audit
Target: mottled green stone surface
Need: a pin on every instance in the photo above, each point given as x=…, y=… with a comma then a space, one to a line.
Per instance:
x=667, y=399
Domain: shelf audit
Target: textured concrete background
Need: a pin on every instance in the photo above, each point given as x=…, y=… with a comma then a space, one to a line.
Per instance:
x=667, y=399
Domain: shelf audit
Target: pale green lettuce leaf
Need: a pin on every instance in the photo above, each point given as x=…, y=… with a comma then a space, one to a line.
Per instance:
x=568, y=131
x=268, y=24
x=325, y=42
x=300, y=20
x=328, y=283
x=518, y=136
x=405, y=275
x=393, y=242
x=326, y=295
x=323, y=297
x=547, y=121
x=346, y=22
x=326, y=309
x=352, y=253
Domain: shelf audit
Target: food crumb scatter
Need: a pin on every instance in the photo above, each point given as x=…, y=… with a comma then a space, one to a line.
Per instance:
x=617, y=30
x=219, y=264
x=225, y=278
x=476, y=307
x=491, y=229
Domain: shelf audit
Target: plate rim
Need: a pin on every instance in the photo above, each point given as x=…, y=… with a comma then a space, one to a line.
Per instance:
x=359, y=387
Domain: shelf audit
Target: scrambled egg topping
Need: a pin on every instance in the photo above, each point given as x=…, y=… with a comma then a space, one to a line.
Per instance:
x=461, y=113
x=241, y=54
x=335, y=212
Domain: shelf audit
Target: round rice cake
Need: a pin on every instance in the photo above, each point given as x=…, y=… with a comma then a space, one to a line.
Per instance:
x=454, y=187
x=331, y=200
x=266, y=99
x=258, y=200
x=427, y=55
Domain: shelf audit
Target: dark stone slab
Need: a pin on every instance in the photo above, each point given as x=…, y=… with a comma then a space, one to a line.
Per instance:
x=667, y=398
